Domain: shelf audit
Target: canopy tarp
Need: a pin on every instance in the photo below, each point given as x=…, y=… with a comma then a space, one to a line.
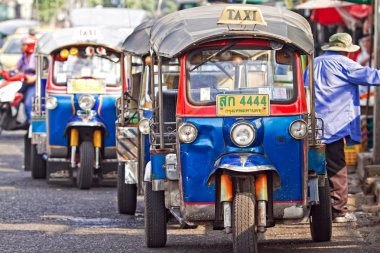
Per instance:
x=106, y=36
x=172, y=34
x=138, y=42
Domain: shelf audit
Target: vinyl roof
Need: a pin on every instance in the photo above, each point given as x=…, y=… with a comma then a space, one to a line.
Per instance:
x=172, y=34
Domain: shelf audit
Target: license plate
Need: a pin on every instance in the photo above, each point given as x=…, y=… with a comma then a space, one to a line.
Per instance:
x=242, y=105
x=86, y=86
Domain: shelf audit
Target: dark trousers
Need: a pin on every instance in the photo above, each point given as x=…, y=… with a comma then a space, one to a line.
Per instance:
x=338, y=177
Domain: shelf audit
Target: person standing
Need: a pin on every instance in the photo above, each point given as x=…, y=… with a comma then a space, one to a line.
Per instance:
x=337, y=102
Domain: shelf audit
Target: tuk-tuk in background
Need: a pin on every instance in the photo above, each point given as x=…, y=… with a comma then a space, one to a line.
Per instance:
x=73, y=120
x=133, y=114
x=236, y=144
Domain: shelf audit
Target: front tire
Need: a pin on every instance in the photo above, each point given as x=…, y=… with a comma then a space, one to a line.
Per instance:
x=86, y=165
x=126, y=193
x=321, y=217
x=37, y=163
x=155, y=217
x=27, y=153
x=244, y=234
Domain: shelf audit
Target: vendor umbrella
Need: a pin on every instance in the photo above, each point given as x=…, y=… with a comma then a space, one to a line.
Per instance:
x=322, y=4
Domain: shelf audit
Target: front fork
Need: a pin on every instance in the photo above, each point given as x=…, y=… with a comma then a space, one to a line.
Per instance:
x=74, y=143
x=226, y=197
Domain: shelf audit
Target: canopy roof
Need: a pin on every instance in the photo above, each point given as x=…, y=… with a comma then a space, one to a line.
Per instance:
x=138, y=42
x=172, y=34
x=106, y=36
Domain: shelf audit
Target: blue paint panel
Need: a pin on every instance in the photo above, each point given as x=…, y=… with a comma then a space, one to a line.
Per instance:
x=62, y=115
x=287, y=156
x=58, y=118
x=158, y=171
x=38, y=126
x=146, y=148
x=43, y=91
x=317, y=159
x=108, y=117
x=198, y=158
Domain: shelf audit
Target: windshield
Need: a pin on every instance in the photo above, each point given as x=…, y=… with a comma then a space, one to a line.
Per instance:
x=238, y=70
x=13, y=47
x=170, y=80
x=87, y=63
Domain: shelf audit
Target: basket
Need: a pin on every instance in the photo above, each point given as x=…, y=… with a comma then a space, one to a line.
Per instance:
x=350, y=153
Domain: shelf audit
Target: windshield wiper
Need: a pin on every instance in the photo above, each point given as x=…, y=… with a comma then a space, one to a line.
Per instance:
x=223, y=49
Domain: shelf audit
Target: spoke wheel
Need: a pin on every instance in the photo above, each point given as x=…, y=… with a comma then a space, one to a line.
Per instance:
x=86, y=165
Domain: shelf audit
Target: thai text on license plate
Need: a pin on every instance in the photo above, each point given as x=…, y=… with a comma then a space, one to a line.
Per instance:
x=242, y=105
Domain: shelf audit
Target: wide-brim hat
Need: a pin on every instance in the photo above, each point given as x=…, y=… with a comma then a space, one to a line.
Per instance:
x=341, y=42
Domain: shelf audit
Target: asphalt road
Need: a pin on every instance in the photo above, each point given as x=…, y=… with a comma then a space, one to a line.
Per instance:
x=36, y=217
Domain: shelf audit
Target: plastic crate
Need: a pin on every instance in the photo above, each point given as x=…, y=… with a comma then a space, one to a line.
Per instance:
x=350, y=153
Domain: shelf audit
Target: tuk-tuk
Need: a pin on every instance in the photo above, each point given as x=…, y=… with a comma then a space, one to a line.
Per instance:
x=133, y=114
x=238, y=143
x=74, y=115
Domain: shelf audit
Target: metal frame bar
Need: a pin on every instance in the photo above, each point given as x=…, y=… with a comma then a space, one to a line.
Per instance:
x=312, y=98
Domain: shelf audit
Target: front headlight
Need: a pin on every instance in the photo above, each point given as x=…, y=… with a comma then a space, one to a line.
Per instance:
x=187, y=133
x=51, y=103
x=144, y=126
x=298, y=129
x=86, y=102
x=243, y=134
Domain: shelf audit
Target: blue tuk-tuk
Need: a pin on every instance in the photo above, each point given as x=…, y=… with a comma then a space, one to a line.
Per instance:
x=74, y=114
x=133, y=114
x=237, y=143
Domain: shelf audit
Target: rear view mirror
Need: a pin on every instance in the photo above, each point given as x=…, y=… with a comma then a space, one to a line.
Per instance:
x=283, y=57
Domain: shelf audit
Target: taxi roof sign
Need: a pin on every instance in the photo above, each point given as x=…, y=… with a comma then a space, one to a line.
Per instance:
x=241, y=15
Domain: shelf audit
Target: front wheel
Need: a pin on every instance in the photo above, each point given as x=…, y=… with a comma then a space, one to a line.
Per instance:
x=320, y=216
x=244, y=232
x=37, y=163
x=86, y=165
x=27, y=152
x=126, y=193
x=155, y=217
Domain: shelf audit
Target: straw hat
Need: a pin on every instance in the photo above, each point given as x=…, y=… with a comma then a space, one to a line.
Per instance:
x=340, y=42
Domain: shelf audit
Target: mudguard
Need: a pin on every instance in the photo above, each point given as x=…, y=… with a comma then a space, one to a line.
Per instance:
x=77, y=121
x=250, y=163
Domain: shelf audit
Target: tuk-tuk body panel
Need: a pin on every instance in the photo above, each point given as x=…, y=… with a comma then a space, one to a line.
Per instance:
x=66, y=114
x=277, y=146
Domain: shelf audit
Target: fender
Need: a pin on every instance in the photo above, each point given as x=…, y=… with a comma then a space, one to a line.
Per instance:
x=246, y=163
x=77, y=121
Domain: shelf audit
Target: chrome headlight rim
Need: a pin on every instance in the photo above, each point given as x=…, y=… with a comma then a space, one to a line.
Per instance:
x=51, y=103
x=306, y=129
x=240, y=123
x=90, y=98
x=180, y=132
x=142, y=128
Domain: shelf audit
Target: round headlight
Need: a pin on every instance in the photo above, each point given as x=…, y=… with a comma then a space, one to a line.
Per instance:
x=187, y=133
x=243, y=134
x=144, y=126
x=51, y=103
x=298, y=129
x=86, y=102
